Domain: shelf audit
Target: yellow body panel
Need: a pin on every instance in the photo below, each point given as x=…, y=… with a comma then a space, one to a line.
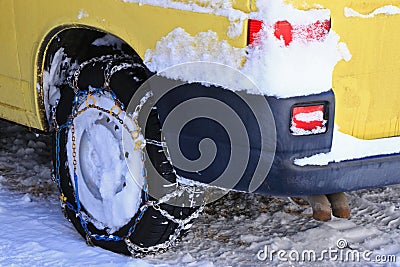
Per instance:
x=12, y=100
x=141, y=26
x=245, y=6
x=367, y=88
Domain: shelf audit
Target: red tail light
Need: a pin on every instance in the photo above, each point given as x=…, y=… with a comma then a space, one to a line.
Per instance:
x=308, y=119
x=284, y=30
x=253, y=30
x=315, y=31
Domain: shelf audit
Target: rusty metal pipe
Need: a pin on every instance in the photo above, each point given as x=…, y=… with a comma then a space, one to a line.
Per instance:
x=340, y=205
x=321, y=207
x=324, y=206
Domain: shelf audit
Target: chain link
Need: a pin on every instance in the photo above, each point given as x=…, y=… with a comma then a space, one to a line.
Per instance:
x=53, y=118
x=88, y=97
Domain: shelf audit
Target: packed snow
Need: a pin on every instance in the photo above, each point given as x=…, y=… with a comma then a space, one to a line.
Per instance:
x=52, y=79
x=109, y=40
x=385, y=10
x=355, y=149
x=276, y=69
x=51, y=93
x=231, y=232
x=109, y=189
x=180, y=47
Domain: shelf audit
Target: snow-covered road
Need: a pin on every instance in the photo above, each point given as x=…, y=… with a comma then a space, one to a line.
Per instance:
x=231, y=232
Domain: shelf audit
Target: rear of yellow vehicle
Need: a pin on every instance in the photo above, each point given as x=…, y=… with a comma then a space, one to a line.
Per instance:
x=366, y=87
x=317, y=63
x=26, y=32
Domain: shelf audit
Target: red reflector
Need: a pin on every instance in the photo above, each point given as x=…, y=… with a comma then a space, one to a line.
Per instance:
x=254, y=28
x=284, y=30
x=317, y=30
x=308, y=120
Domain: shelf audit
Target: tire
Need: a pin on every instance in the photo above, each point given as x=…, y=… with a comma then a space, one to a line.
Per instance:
x=98, y=195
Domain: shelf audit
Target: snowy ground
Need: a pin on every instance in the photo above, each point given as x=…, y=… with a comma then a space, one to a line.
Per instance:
x=230, y=232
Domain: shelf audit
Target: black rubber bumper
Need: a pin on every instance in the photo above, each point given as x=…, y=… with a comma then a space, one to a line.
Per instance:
x=287, y=179
x=284, y=177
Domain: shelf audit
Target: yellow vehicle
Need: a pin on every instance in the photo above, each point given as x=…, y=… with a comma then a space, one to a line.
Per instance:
x=73, y=67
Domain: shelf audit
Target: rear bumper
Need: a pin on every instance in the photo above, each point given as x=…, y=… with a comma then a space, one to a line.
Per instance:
x=284, y=177
x=287, y=179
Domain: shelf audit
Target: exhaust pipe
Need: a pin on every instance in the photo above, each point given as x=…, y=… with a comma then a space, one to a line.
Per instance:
x=324, y=206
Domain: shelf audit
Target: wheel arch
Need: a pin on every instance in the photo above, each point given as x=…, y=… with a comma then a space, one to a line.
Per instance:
x=52, y=42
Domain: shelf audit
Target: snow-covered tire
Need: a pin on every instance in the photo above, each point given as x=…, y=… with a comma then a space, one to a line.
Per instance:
x=108, y=204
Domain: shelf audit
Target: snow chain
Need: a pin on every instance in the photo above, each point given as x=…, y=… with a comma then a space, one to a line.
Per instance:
x=87, y=97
